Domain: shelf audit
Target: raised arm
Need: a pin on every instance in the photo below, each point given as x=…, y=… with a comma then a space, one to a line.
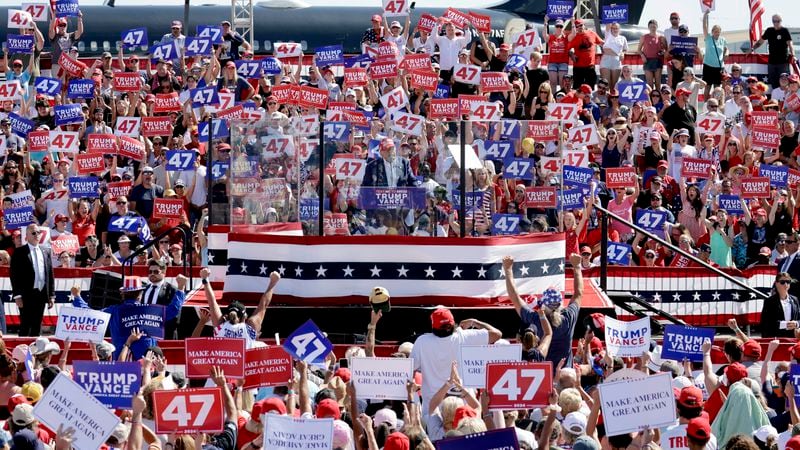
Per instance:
x=712, y=382
x=211, y=299
x=577, y=279
x=258, y=316
x=513, y=295
x=231, y=412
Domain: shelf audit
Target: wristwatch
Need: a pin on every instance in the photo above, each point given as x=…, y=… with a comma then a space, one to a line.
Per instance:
x=204, y=281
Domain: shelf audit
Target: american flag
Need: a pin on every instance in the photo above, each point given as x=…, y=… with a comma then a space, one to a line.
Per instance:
x=756, y=28
x=429, y=271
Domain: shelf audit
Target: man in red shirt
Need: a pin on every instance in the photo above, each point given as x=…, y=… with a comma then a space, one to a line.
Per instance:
x=582, y=52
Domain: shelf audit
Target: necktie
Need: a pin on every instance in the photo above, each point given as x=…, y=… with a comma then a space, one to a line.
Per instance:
x=38, y=276
x=788, y=263
x=151, y=300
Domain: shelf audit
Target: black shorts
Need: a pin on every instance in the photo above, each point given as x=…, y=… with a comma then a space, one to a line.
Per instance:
x=712, y=75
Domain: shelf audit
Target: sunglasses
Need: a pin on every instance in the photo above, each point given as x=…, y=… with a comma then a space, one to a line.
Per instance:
x=35, y=233
x=784, y=282
x=586, y=254
x=650, y=256
x=655, y=199
x=272, y=103
x=154, y=272
x=122, y=203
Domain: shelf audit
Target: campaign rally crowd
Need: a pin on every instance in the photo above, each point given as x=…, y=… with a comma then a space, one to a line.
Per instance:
x=102, y=157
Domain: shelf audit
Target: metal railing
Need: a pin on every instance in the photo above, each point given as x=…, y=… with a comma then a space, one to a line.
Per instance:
x=604, y=253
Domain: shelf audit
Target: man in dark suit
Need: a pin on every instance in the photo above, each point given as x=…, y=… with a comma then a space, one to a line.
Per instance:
x=32, y=282
x=791, y=264
x=388, y=170
x=780, y=307
x=160, y=292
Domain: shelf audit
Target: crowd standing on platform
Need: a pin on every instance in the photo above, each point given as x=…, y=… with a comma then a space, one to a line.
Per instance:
x=101, y=158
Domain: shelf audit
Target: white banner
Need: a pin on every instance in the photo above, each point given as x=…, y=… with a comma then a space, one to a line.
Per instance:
x=627, y=338
x=630, y=405
x=472, y=361
x=395, y=99
x=381, y=378
x=82, y=324
x=67, y=404
x=285, y=433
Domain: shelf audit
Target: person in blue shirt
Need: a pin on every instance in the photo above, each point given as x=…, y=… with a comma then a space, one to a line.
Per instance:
x=131, y=293
x=16, y=72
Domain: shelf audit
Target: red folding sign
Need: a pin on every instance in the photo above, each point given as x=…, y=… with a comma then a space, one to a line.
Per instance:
x=620, y=177
x=520, y=385
x=425, y=80
x=86, y=163
x=127, y=82
x=416, y=61
x=204, y=353
x=167, y=103
x=156, y=126
x=101, y=143
x=267, y=366
x=188, y=411
x=765, y=137
x=119, y=188
x=541, y=197
x=426, y=23
x=458, y=18
x=443, y=108
x=311, y=97
x=131, y=148
x=543, y=130
x=38, y=141
x=495, y=82
x=696, y=167
x=755, y=187
x=383, y=70
x=481, y=22
x=355, y=76
x=168, y=208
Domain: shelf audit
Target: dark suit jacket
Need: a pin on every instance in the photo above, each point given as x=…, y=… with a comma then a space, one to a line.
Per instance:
x=794, y=271
x=772, y=315
x=165, y=294
x=22, y=275
x=375, y=174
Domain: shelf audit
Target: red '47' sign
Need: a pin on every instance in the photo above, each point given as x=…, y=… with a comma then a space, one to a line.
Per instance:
x=188, y=411
x=523, y=385
x=203, y=353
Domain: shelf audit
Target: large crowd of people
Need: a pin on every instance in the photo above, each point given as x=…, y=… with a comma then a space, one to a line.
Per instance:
x=64, y=208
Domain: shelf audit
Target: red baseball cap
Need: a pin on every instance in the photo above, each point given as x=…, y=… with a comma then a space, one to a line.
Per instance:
x=586, y=89
x=751, y=349
x=265, y=406
x=735, y=372
x=691, y=397
x=328, y=408
x=505, y=47
x=442, y=317
x=682, y=91
x=595, y=344
x=663, y=163
x=377, y=18
x=387, y=143
x=793, y=443
x=462, y=413
x=578, y=22
x=398, y=441
x=16, y=399
x=343, y=373
x=699, y=428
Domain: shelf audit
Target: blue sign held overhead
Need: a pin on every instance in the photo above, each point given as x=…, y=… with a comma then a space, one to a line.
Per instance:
x=307, y=343
x=20, y=125
x=614, y=13
x=732, y=204
x=70, y=113
x=114, y=384
x=503, y=438
x=619, y=253
x=214, y=32
x=17, y=218
x=271, y=66
x=84, y=187
x=630, y=92
x=198, y=46
x=521, y=168
x=506, y=224
x=220, y=130
x=80, y=89
x=778, y=175
x=652, y=220
x=516, y=62
x=19, y=43
x=149, y=319
x=178, y=160
x=685, y=342
x=336, y=131
x=578, y=176
x=247, y=68
x=362, y=61
x=164, y=51
x=67, y=8
x=48, y=86
x=572, y=199
x=134, y=37
x=204, y=96
x=560, y=9
x=330, y=55
x=683, y=45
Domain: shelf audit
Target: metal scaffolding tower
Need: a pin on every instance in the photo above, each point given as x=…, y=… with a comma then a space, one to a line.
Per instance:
x=242, y=18
x=586, y=9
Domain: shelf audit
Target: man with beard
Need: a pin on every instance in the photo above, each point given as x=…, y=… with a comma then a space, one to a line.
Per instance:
x=562, y=320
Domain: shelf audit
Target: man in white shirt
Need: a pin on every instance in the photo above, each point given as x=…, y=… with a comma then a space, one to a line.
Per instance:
x=435, y=352
x=690, y=406
x=680, y=150
x=675, y=22
x=449, y=46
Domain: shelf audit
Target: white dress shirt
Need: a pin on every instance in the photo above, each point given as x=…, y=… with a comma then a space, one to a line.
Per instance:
x=38, y=266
